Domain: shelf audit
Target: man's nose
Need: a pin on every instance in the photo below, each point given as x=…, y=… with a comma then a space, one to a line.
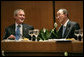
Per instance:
x=23, y=16
x=57, y=17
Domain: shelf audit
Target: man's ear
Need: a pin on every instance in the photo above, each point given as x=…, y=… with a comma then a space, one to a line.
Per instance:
x=15, y=17
x=65, y=14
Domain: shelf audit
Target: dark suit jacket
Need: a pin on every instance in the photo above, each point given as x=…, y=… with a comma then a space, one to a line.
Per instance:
x=69, y=32
x=11, y=30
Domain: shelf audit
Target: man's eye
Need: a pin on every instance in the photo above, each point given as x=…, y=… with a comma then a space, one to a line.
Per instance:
x=58, y=14
x=23, y=15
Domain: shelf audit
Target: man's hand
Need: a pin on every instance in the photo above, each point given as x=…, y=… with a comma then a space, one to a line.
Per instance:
x=11, y=37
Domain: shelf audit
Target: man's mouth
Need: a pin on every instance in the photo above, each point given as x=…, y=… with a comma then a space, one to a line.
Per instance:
x=21, y=19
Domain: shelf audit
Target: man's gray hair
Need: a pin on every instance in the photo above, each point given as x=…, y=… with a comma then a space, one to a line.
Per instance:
x=16, y=11
x=64, y=11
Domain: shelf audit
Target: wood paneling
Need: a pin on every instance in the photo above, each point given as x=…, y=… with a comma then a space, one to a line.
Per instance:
x=41, y=48
x=75, y=10
x=38, y=13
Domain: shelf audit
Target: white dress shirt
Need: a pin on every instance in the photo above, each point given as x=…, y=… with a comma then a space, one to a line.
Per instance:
x=66, y=23
x=64, y=27
x=21, y=29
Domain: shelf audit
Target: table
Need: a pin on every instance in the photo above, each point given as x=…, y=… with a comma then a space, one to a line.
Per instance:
x=48, y=48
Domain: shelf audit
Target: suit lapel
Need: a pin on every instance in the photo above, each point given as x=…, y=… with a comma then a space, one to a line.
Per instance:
x=60, y=31
x=25, y=31
x=13, y=29
x=67, y=29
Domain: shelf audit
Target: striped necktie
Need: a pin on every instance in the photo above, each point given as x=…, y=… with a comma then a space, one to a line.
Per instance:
x=18, y=32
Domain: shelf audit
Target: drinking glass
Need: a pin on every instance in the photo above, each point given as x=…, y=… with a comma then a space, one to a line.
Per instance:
x=78, y=33
x=81, y=33
x=36, y=33
x=31, y=33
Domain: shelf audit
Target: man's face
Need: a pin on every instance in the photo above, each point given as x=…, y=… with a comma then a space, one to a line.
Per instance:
x=20, y=17
x=60, y=16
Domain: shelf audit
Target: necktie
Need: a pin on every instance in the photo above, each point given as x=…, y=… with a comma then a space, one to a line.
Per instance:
x=64, y=28
x=18, y=32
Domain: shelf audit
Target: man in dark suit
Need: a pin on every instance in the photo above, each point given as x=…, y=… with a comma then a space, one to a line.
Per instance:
x=19, y=28
x=67, y=27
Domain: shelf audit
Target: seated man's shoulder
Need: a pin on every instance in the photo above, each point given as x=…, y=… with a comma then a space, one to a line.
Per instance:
x=28, y=26
x=75, y=25
x=10, y=26
x=72, y=22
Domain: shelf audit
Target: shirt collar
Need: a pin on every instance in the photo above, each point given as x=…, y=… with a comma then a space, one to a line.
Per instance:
x=66, y=23
x=17, y=24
